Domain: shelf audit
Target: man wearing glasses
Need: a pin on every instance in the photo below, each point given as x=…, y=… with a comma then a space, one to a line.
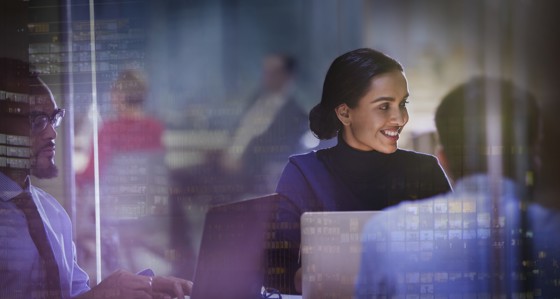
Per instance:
x=37, y=254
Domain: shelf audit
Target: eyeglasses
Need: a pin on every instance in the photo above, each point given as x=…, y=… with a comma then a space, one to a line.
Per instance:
x=39, y=121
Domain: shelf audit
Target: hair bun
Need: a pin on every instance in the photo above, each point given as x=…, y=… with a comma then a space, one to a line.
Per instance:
x=321, y=122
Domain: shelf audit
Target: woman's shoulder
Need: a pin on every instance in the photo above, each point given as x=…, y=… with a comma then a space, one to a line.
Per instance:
x=313, y=156
x=304, y=158
x=310, y=163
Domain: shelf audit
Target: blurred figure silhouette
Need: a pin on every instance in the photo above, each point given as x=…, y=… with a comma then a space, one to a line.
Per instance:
x=131, y=129
x=133, y=182
x=267, y=133
x=270, y=130
x=486, y=239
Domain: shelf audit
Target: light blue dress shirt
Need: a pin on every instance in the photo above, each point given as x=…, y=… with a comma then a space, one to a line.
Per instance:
x=21, y=275
x=460, y=245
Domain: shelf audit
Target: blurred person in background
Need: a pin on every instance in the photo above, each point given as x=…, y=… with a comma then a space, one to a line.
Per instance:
x=486, y=239
x=363, y=104
x=269, y=131
x=131, y=129
x=133, y=184
x=38, y=257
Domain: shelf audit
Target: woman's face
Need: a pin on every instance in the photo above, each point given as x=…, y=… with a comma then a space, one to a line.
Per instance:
x=379, y=117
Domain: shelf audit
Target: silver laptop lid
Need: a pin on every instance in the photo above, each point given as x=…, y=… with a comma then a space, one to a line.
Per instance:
x=330, y=252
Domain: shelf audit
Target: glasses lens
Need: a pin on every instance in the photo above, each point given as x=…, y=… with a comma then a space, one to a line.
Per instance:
x=39, y=123
x=57, y=118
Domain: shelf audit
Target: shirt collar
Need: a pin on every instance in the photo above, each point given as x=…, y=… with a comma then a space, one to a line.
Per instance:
x=10, y=189
x=483, y=183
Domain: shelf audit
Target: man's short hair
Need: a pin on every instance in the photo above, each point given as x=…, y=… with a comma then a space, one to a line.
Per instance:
x=466, y=115
x=16, y=82
x=15, y=86
x=15, y=75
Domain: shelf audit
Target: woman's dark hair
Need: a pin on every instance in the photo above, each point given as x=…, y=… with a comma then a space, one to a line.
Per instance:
x=348, y=79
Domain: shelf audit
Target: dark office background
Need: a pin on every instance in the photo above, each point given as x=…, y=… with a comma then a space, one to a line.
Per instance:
x=203, y=61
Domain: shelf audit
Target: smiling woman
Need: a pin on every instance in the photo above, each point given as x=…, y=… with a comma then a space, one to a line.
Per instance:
x=376, y=121
x=364, y=104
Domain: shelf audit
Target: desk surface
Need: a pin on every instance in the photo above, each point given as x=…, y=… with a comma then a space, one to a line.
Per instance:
x=283, y=297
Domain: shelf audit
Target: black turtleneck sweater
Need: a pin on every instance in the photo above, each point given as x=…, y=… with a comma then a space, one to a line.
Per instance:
x=342, y=178
x=377, y=180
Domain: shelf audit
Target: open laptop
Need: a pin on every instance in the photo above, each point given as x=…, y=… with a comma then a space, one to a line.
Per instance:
x=231, y=259
x=331, y=252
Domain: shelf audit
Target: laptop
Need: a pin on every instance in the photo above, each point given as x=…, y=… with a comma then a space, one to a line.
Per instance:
x=231, y=259
x=331, y=252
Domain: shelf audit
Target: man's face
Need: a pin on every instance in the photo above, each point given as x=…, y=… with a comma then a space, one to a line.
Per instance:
x=43, y=141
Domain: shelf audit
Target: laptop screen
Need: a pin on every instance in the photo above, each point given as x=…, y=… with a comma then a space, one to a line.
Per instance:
x=231, y=259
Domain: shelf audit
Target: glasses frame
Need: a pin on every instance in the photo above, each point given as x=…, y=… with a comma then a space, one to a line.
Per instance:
x=39, y=121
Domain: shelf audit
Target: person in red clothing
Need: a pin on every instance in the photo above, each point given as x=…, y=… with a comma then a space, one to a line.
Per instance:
x=133, y=183
x=131, y=130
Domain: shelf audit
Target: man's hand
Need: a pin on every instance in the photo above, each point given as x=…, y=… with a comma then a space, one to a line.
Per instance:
x=121, y=284
x=165, y=287
x=125, y=285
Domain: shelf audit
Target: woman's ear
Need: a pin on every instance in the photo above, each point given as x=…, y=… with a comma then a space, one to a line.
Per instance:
x=343, y=114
